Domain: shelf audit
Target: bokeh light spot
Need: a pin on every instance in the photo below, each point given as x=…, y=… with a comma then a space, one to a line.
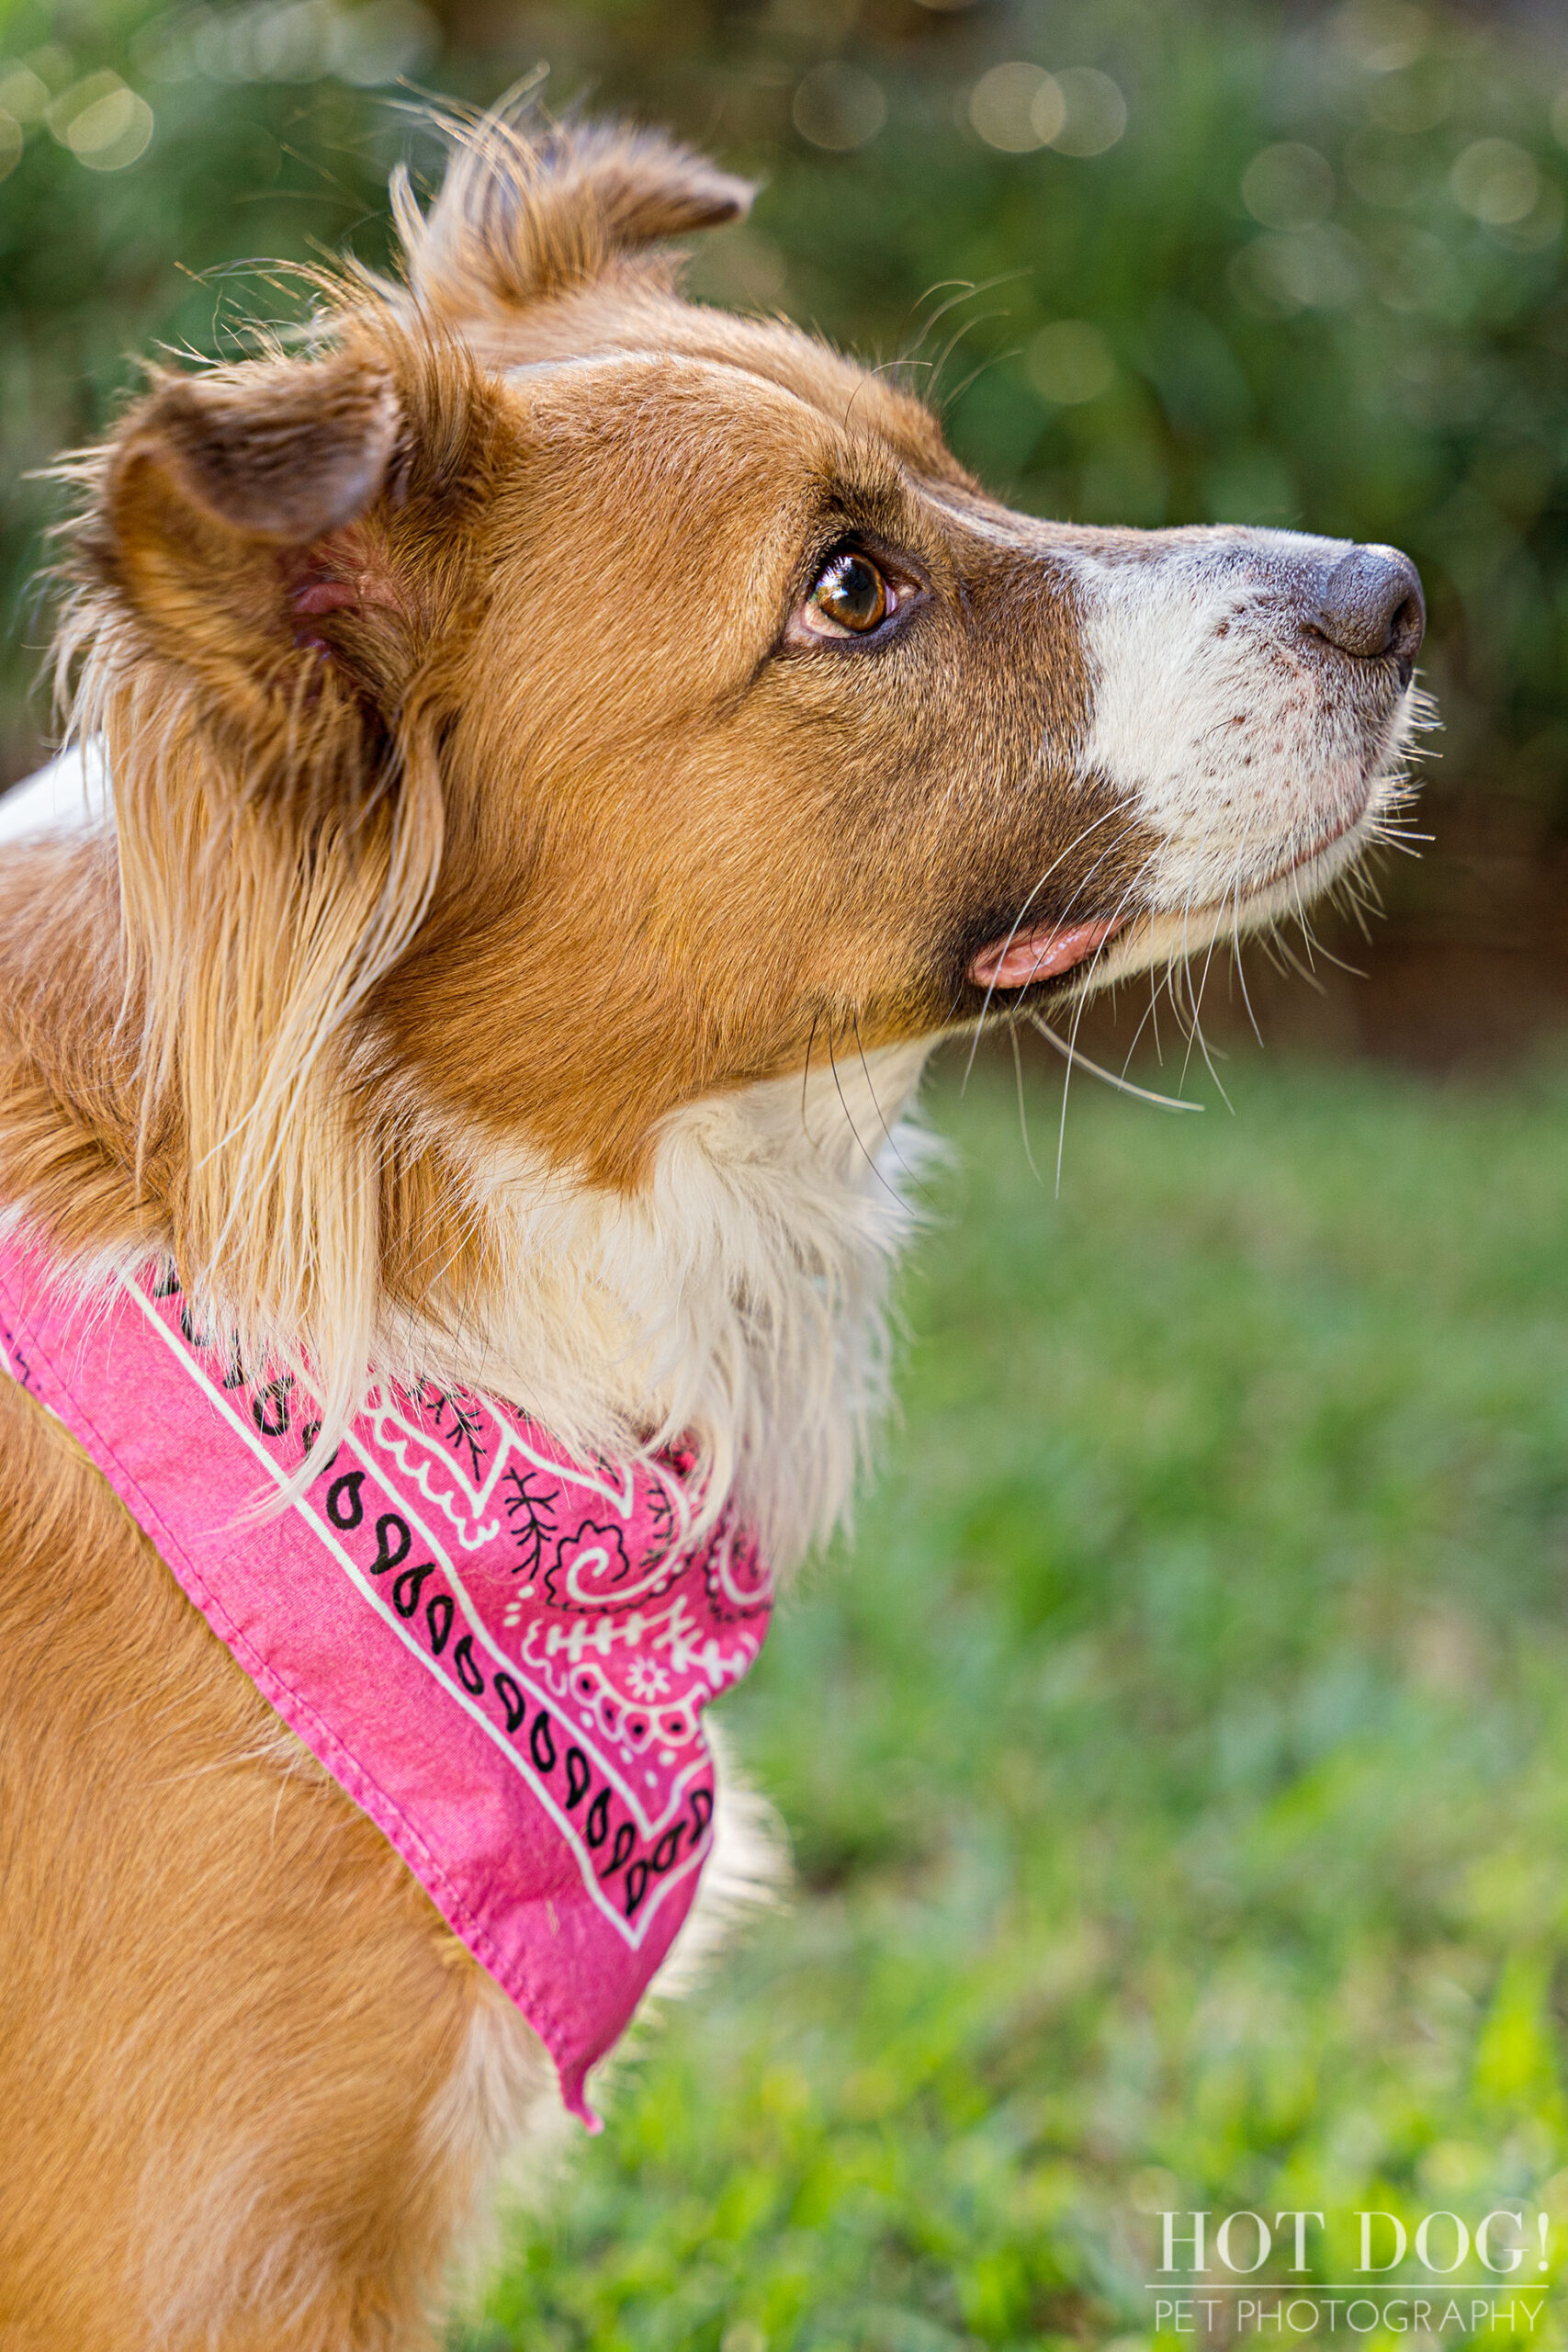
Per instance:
x=111, y=132
x=1070, y=362
x=1016, y=108
x=23, y=95
x=105, y=124
x=76, y=99
x=12, y=138
x=1288, y=187
x=1497, y=183
x=1096, y=111
x=1305, y=269
x=839, y=107
x=1542, y=225
x=297, y=40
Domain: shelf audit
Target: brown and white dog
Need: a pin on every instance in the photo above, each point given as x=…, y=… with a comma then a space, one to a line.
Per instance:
x=572, y=754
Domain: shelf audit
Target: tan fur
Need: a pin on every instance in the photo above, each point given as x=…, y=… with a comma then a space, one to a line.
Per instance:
x=513, y=958
x=226, y=1995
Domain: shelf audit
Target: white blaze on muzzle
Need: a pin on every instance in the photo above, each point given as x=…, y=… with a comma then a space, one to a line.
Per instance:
x=1239, y=731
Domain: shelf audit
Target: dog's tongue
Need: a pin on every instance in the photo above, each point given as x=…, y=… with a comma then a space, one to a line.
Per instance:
x=1037, y=955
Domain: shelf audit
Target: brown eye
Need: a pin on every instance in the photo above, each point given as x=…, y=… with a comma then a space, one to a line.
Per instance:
x=851, y=594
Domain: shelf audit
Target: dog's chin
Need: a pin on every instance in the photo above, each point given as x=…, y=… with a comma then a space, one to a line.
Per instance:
x=1188, y=925
x=1162, y=935
x=1069, y=962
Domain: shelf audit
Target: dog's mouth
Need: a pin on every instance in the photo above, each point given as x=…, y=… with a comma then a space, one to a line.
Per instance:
x=1052, y=951
x=1045, y=953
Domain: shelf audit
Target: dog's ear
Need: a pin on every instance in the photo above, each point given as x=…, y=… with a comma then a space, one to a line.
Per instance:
x=274, y=569
x=267, y=528
x=277, y=450
x=522, y=218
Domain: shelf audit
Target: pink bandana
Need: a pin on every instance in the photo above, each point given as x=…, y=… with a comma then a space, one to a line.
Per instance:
x=500, y=1654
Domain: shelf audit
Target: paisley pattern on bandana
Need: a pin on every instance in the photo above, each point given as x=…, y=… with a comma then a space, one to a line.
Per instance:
x=501, y=1653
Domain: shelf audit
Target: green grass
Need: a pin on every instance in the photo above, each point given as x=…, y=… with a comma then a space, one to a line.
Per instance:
x=1177, y=1763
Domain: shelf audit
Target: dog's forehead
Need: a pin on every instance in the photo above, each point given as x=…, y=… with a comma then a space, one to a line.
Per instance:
x=573, y=341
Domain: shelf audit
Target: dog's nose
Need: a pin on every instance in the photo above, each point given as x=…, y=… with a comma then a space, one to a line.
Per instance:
x=1371, y=605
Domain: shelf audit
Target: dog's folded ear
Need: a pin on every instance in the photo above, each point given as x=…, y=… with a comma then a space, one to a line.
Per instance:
x=277, y=450
x=521, y=218
x=264, y=527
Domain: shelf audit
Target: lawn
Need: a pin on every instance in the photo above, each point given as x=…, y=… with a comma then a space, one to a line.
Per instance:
x=1175, y=1761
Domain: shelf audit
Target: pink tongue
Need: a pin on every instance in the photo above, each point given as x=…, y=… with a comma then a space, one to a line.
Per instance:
x=1036, y=955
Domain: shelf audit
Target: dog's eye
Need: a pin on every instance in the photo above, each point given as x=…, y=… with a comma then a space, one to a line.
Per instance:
x=850, y=596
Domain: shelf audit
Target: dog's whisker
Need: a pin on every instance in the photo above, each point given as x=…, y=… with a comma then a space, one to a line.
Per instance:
x=1185, y=961
x=849, y=1115
x=1060, y=859
x=806, y=1073
x=1072, y=1053
x=1239, y=963
x=1118, y=1081
x=876, y=1104
x=1022, y=1113
x=1147, y=1015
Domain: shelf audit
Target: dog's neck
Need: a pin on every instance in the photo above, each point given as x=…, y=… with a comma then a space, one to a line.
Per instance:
x=735, y=1297
x=737, y=1294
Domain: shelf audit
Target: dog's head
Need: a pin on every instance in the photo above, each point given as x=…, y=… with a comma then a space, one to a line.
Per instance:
x=545, y=705
x=751, y=716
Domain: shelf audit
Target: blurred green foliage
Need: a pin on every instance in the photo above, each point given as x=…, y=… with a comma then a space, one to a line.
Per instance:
x=1273, y=265
x=1178, y=1769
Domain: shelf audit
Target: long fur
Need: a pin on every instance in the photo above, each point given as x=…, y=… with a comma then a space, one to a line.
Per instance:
x=511, y=961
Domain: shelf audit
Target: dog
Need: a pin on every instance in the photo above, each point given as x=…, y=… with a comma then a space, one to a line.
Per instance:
x=571, y=753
